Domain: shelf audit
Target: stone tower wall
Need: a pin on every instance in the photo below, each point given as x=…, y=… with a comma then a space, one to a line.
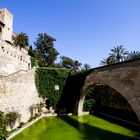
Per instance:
x=6, y=18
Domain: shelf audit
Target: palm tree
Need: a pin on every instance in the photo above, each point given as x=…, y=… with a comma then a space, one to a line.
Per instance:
x=86, y=66
x=118, y=53
x=133, y=55
x=21, y=40
x=108, y=61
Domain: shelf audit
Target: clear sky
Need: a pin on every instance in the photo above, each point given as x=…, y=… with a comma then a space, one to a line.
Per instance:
x=85, y=30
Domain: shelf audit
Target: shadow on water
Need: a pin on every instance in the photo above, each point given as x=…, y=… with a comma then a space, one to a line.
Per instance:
x=89, y=132
x=121, y=122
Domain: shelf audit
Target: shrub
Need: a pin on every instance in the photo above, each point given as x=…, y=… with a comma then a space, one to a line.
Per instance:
x=89, y=104
x=3, y=132
x=10, y=118
x=21, y=124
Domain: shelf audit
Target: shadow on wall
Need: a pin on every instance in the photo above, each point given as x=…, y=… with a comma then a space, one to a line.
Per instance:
x=89, y=132
x=71, y=94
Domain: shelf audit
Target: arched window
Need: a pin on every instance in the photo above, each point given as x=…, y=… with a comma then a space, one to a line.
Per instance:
x=0, y=32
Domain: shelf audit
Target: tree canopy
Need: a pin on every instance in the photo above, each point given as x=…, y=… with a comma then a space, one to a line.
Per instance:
x=133, y=55
x=119, y=54
x=107, y=61
x=45, y=52
x=69, y=63
x=21, y=40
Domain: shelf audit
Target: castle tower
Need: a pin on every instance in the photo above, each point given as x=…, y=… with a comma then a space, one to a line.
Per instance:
x=6, y=25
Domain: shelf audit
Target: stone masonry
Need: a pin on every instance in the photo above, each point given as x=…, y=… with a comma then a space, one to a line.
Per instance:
x=12, y=59
x=18, y=93
x=123, y=77
x=17, y=84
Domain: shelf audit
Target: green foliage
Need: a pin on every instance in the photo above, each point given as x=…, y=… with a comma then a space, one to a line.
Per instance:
x=21, y=40
x=72, y=91
x=46, y=79
x=10, y=118
x=33, y=62
x=89, y=104
x=86, y=67
x=45, y=52
x=107, y=97
x=133, y=55
x=108, y=61
x=119, y=54
x=69, y=63
x=3, y=132
x=31, y=52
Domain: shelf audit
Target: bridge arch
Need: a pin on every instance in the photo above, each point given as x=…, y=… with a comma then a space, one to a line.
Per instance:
x=105, y=99
x=125, y=80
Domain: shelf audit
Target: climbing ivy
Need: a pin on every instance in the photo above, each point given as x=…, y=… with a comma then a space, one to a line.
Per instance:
x=46, y=80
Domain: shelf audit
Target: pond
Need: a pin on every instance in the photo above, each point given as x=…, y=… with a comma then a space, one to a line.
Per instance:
x=87, y=127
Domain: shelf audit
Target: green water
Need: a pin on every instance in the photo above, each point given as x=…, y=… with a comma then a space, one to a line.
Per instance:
x=86, y=127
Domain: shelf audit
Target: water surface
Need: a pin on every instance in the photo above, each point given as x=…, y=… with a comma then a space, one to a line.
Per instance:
x=85, y=127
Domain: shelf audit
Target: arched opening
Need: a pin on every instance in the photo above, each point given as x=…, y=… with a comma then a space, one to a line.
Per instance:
x=0, y=33
x=105, y=100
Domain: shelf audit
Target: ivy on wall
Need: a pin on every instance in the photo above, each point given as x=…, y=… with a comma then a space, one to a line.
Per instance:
x=47, y=79
x=72, y=91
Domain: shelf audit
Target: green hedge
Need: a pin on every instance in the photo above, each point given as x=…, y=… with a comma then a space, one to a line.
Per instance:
x=33, y=62
x=46, y=79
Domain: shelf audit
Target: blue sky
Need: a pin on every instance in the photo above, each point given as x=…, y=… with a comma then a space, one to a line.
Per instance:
x=85, y=30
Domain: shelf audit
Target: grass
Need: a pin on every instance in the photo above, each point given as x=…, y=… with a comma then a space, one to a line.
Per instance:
x=86, y=127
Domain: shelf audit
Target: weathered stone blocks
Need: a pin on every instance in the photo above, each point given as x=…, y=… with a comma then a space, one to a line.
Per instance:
x=18, y=92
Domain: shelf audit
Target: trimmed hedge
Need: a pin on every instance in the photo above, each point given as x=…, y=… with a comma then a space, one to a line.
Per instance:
x=46, y=79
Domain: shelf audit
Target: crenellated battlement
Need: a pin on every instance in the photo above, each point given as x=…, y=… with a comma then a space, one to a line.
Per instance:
x=6, y=25
x=5, y=10
x=12, y=59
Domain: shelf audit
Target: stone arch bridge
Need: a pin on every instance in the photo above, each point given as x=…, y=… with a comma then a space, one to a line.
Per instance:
x=124, y=77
